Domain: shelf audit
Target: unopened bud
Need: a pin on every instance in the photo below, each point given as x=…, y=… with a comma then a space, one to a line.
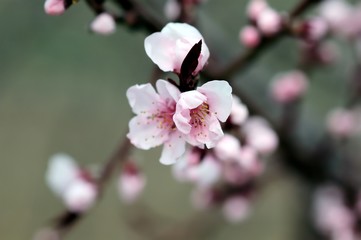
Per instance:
x=250, y=36
x=103, y=24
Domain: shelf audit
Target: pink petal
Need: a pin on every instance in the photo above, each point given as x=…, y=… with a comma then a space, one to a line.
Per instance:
x=160, y=49
x=145, y=136
x=142, y=98
x=173, y=149
x=54, y=7
x=167, y=90
x=219, y=98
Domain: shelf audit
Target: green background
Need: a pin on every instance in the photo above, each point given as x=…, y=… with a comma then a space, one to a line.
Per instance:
x=62, y=89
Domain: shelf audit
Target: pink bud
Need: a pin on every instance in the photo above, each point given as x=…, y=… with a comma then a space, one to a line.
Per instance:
x=54, y=7
x=228, y=148
x=172, y=9
x=288, y=87
x=249, y=160
x=314, y=29
x=103, y=24
x=131, y=184
x=239, y=111
x=255, y=7
x=236, y=209
x=341, y=123
x=80, y=195
x=269, y=22
x=260, y=136
x=335, y=12
x=206, y=173
x=202, y=198
x=250, y=36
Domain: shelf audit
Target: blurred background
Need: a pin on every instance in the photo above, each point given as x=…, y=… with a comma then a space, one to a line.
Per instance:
x=62, y=89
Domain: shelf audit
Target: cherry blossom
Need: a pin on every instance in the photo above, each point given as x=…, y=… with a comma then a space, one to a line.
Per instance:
x=154, y=125
x=341, y=122
x=54, y=7
x=239, y=111
x=250, y=36
x=72, y=184
x=131, y=183
x=199, y=112
x=103, y=24
x=228, y=148
x=236, y=209
x=169, y=47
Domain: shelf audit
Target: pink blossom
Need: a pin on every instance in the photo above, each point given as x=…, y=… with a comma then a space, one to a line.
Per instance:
x=288, y=87
x=131, y=183
x=80, y=195
x=154, y=123
x=250, y=36
x=249, y=160
x=198, y=113
x=236, y=209
x=206, y=173
x=202, y=198
x=341, y=122
x=54, y=7
x=103, y=24
x=182, y=168
x=335, y=12
x=255, y=8
x=317, y=28
x=72, y=184
x=228, y=148
x=260, y=136
x=239, y=111
x=172, y=9
x=269, y=22
x=331, y=214
x=169, y=47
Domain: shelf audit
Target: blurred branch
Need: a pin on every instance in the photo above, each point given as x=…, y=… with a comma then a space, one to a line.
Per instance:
x=250, y=55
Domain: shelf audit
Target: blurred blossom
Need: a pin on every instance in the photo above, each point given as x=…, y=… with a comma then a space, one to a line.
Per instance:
x=199, y=113
x=169, y=47
x=260, y=136
x=239, y=111
x=180, y=170
x=236, y=209
x=172, y=9
x=250, y=37
x=314, y=29
x=69, y=182
x=54, y=7
x=341, y=122
x=228, y=148
x=269, y=22
x=47, y=234
x=80, y=195
x=288, y=87
x=131, y=183
x=103, y=24
x=206, y=173
x=332, y=216
x=249, y=160
x=255, y=8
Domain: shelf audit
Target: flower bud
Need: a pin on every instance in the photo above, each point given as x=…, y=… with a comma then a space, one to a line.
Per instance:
x=341, y=123
x=80, y=195
x=103, y=24
x=236, y=209
x=269, y=22
x=131, y=183
x=288, y=87
x=239, y=111
x=255, y=8
x=172, y=9
x=54, y=7
x=228, y=148
x=250, y=36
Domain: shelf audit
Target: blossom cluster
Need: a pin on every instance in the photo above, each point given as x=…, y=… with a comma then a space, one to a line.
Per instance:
x=335, y=216
x=173, y=115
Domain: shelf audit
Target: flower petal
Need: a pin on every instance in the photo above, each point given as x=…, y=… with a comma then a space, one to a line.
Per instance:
x=219, y=98
x=142, y=98
x=160, y=49
x=144, y=135
x=167, y=90
x=173, y=149
x=181, y=30
x=62, y=170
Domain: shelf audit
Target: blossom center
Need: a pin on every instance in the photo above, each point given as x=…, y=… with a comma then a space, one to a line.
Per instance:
x=199, y=115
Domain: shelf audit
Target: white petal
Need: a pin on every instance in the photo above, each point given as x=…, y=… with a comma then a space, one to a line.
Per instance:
x=142, y=98
x=80, y=196
x=181, y=30
x=144, y=135
x=167, y=90
x=219, y=98
x=191, y=99
x=62, y=170
x=160, y=49
x=173, y=149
